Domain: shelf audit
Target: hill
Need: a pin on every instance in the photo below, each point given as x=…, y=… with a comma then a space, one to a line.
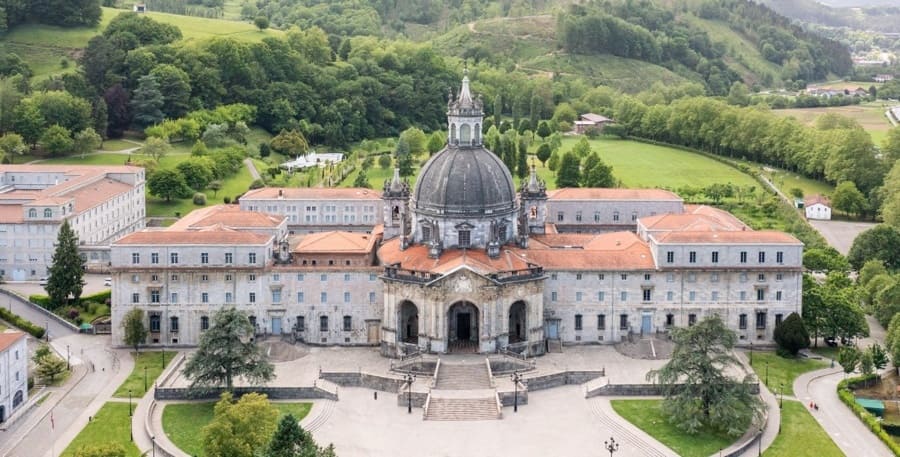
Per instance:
x=874, y=15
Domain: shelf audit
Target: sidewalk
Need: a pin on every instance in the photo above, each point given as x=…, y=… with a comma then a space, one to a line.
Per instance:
x=773, y=422
x=847, y=431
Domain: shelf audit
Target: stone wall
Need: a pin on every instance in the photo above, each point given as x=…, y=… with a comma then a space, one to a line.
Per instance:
x=274, y=393
x=508, y=398
x=365, y=380
x=562, y=378
x=418, y=399
x=637, y=390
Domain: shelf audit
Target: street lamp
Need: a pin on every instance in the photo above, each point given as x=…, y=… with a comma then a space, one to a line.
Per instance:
x=47, y=331
x=129, y=402
x=759, y=441
x=68, y=364
x=611, y=446
x=751, y=353
x=781, y=401
x=145, y=378
x=516, y=377
x=409, y=378
x=153, y=440
x=767, y=373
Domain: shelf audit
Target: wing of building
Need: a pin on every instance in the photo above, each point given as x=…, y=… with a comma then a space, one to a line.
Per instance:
x=100, y=203
x=463, y=261
x=13, y=373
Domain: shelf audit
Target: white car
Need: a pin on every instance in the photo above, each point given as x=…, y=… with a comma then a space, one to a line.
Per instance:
x=107, y=282
x=42, y=282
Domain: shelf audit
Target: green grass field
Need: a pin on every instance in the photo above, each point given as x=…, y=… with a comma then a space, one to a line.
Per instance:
x=869, y=115
x=744, y=57
x=782, y=371
x=110, y=424
x=785, y=181
x=647, y=416
x=184, y=422
x=801, y=435
x=627, y=75
x=102, y=158
x=152, y=361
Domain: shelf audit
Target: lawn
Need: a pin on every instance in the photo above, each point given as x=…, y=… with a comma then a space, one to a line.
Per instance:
x=785, y=181
x=100, y=158
x=118, y=145
x=647, y=416
x=801, y=435
x=869, y=115
x=152, y=361
x=183, y=422
x=781, y=371
x=110, y=424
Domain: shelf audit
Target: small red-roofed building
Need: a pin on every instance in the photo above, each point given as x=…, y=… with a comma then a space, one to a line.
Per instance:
x=817, y=207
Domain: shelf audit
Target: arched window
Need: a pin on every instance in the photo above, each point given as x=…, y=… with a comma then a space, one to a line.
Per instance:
x=465, y=134
x=48, y=212
x=477, y=134
x=32, y=212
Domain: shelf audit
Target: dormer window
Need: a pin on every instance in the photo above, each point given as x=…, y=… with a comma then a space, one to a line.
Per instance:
x=32, y=213
x=465, y=238
x=48, y=213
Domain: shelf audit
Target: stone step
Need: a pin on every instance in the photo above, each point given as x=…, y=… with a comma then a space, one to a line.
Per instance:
x=469, y=376
x=462, y=409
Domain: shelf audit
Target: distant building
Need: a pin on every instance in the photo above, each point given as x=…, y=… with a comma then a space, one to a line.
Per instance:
x=13, y=373
x=883, y=78
x=309, y=209
x=139, y=8
x=591, y=121
x=817, y=207
x=313, y=160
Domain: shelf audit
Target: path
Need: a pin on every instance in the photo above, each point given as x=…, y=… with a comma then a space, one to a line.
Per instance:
x=773, y=421
x=127, y=151
x=251, y=167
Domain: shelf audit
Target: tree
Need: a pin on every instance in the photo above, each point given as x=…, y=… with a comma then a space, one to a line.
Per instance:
x=791, y=335
x=175, y=87
x=240, y=428
x=261, y=22
x=435, y=142
x=168, y=184
x=86, y=141
x=544, y=130
x=403, y=156
x=215, y=186
x=597, y=173
x=879, y=356
x=226, y=351
x=384, y=161
x=118, y=110
x=824, y=259
x=66, y=268
x=866, y=364
x=415, y=138
x=28, y=122
x=292, y=441
x=569, y=173
x=869, y=271
x=147, y=102
x=101, y=450
x=56, y=140
x=49, y=367
x=522, y=159
x=848, y=357
x=197, y=172
x=362, y=180
x=698, y=392
x=155, y=148
x=290, y=142
x=543, y=153
x=848, y=198
x=11, y=145
x=881, y=242
x=134, y=330
x=892, y=340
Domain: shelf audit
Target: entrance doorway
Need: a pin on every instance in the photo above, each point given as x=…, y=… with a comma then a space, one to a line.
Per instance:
x=462, y=322
x=409, y=323
x=517, y=323
x=2, y=414
x=646, y=323
x=276, y=326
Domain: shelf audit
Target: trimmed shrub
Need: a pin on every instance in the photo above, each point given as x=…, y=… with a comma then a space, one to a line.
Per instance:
x=200, y=199
x=226, y=200
x=16, y=321
x=866, y=417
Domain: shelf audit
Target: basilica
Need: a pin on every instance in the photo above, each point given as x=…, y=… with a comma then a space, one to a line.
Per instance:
x=461, y=262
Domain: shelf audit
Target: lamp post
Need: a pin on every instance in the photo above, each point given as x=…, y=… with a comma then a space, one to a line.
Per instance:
x=129, y=402
x=767, y=373
x=145, y=378
x=153, y=440
x=759, y=442
x=46, y=331
x=611, y=446
x=409, y=378
x=516, y=377
x=68, y=364
x=781, y=400
x=751, y=353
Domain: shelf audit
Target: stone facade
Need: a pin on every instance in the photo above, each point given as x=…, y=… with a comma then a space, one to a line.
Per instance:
x=310, y=210
x=13, y=373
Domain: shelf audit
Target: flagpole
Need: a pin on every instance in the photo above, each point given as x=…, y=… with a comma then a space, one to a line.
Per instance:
x=52, y=435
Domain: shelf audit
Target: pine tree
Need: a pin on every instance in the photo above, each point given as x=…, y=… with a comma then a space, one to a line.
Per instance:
x=404, y=158
x=522, y=159
x=66, y=269
x=147, y=102
x=290, y=440
x=362, y=180
x=791, y=334
x=597, y=173
x=569, y=173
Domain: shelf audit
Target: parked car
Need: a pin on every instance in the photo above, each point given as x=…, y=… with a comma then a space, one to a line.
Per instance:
x=42, y=281
x=107, y=282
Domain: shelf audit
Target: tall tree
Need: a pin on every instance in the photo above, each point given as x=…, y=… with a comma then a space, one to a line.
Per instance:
x=11, y=145
x=881, y=242
x=227, y=351
x=848, y=198
x=175, y=87
x=118, y=110
x=522, y=158
x=292, y=441
x=290, y=142
x=66, y=268
x=791, y=335
x=403, y=157
x=698, y=391
x=240, y=428
x=86, y=141
x=569, y=173
x=597, y=173
x=147, y=102
x=168, y=184
x=135, y=331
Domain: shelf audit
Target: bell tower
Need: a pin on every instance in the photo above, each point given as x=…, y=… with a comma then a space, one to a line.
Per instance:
x=533, y=208
x=396, y=207
x=464, y=117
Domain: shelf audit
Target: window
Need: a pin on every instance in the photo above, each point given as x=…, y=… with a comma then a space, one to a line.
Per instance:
x=778, y=295
x=154, y=278
x=779, y=276
x=670, y=277
x=372, y=276
x=154, y=296
x=743, y=295
x=346, y=297
x=173, y=258
x=743, y=256
x=596, y=217
x=615, y=216
x=553, y=296
x=623, y=322
x=173, y=324
x=578, y=216
x=670, y=295
x=743, y=277
x=762, y=257
x=760, y=320
x=464, y=238
x=692, y=277
x=670, y=320
x=601, y=277
x=371, y=297
x=692, y=295
x=760, y=294
x=323, y=323
x=204, y=278
x=204, y=297
x=135, y=258
x=228, y=277
x=253, y=321
x=229, y=257
x=204, y=257
x=135, y=297
x=154, y=323
x=276, y=295
x=426, y=233
x=204, y=323
x=346, y=276
x=553, y=276
x=692, y=319
x=348, y=323
x=578, y=322
x=633, y=216
x=323, y=297
x=323, y=277
x=560, y=216
x=646, y=276
x=601, y=322
x=154, y=258
x=577, y=296
x=229, y=298
x=252, y=297
x=779, y=257
x=647, y=294
x=714, y=277
x=299, y=297
x=692, y=257
x=715, y=257
x=778, y=318
x=173, y=297
x=32, y=212
x=300, y=276
x=601, y=296
x=623, y=296
x=714, y=295
x=742, y=322
x=578, y=276
x=670, y=257
x=251, y=258
x=624, y=277
x=301, y=323
x=251, y=277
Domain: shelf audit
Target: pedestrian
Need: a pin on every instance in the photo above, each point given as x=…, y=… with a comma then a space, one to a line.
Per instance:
x=376, y=395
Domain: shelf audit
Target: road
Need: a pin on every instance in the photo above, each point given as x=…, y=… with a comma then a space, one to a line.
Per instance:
x=840, y=234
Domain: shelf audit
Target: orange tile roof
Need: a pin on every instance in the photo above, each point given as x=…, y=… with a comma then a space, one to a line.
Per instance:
x=227, y=215
x=336, y=242
x=96, y=193
x=737, y=237
x=719, y=214
x=599, y=193
x=690, y=222
x=7, y=339
x=814, y=199
x=211, y=236
x=415, y=258
x=334, y=193
x=11, y=214
x=606, y=251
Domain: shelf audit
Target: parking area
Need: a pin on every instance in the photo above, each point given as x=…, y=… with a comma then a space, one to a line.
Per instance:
x=93, y=283
x=840, y=234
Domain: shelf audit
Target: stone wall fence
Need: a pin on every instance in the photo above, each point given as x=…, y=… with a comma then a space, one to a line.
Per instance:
x=362, y=379
x=637, y=390
x=274, y=393
x=562, y=378
x=158, y=448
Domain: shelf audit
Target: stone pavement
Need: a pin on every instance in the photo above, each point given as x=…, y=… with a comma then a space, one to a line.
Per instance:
x=847, y=431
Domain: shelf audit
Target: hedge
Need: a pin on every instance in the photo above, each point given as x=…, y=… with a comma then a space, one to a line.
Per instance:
x=100, y=297
x=17, y=321
x=846, y=396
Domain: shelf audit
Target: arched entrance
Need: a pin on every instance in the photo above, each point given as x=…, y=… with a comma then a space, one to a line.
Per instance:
x=462, y=327
x=518, y=323
x=409, y=323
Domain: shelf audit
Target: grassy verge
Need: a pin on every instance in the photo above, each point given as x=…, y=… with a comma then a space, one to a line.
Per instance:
x=801, y=435
x=152, y=362
x=184, y=422
x=110, y=425
x=647, y=416
x=781, y=371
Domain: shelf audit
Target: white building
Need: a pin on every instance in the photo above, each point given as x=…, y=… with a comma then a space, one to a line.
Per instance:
x=100, y=203
x=13, y=373
x=310, y=209
x=817, y=207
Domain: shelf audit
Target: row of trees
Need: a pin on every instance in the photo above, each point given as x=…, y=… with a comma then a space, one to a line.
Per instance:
x=65, y=13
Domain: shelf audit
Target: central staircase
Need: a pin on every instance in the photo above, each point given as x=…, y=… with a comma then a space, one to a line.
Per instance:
x=462, y=392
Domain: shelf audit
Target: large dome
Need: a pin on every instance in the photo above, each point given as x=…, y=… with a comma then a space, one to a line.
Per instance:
x=465, y=181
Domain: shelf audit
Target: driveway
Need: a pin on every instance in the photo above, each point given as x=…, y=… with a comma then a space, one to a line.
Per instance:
x=840, y=234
